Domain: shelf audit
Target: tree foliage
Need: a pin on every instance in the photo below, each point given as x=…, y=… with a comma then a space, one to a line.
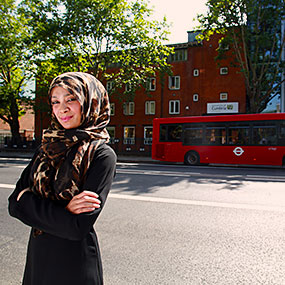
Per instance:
x=252, y=30
x=113, y=39
x=15, y=66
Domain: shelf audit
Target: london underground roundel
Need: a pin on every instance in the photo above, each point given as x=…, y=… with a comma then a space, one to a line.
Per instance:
x=238, y=151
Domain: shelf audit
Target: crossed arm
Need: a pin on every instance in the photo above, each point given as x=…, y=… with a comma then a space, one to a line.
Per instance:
x=86, y=201
x=75, y=220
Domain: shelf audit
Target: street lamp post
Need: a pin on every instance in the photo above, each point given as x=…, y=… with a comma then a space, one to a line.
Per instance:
x=282, y=98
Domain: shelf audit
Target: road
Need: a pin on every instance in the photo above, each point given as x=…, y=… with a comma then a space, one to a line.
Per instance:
x=172, y=224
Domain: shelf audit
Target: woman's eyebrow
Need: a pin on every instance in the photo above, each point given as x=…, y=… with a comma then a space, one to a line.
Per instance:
x=65, y=95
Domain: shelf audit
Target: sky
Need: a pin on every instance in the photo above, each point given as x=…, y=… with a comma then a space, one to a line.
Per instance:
x=180, y=13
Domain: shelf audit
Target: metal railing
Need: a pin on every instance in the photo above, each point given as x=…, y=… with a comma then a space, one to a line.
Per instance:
x=7, y=142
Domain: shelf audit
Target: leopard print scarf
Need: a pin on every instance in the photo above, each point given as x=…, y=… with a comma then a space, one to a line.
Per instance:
x=59, y=169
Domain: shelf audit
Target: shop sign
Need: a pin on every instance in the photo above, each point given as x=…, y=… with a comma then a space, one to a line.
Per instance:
x=227, y=107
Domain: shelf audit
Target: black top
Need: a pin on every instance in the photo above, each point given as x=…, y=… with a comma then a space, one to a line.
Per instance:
x=67, y=253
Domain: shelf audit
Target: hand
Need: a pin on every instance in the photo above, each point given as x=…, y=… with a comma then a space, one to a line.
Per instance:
x=22, y=192
x=84, y=202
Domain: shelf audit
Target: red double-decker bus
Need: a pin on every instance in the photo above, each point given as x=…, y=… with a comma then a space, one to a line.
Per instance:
x=249, y=139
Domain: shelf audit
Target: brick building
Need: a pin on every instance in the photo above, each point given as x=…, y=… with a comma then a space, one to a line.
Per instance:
x=199, y=86
x=27, y=125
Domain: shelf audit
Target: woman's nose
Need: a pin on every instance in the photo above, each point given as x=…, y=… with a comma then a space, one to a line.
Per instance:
x=63, y=107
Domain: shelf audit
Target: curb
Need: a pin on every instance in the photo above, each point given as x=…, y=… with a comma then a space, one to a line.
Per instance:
x=29, y=155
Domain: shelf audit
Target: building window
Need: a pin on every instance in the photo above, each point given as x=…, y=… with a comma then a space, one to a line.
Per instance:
x=178, y=55
x=128, y=87
x=224, y=70
x=110, y=85
x=148, y=135
x=174, y=107
x=151, y=84
x=129, y=108
x=174, y=82
x=224, y=96
x=111, y=131
x=195, y=97
x=129, y=135
x=196, y=72
x=150, y=107
x=112, y=109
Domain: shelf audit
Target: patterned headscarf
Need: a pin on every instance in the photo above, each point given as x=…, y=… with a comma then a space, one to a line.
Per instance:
x=59, y=169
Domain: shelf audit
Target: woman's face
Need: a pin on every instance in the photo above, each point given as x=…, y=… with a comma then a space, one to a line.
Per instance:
x=66, y=108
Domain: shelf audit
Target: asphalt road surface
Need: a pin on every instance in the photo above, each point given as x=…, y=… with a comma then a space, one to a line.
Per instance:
x=172, y=224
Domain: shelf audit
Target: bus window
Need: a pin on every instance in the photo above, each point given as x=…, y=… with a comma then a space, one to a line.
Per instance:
x=171, y=132
x=282, y=135
x=264, y=135
x=215, y=135
x=163, y=132
x=174, y=132
x=238, y=135
x=193, y=136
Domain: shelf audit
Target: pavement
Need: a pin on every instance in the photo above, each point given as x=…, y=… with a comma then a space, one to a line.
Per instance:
x=121, y=158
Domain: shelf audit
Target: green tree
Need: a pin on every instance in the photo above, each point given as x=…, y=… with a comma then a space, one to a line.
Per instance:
x=113, y=39
x=45, y=38
x=15, y=67
x=252, y=30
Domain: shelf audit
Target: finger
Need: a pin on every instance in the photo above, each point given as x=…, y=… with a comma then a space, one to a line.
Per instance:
x=91, y=193
x=75, y=207
x=88, y=205
x=87, y=199
x=85, y=209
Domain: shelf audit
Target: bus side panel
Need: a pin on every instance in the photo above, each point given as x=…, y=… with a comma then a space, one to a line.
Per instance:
x=251, y=155
x=266, y=155
x=172, y=152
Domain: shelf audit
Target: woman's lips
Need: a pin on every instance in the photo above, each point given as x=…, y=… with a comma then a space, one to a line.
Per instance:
x=65, y=119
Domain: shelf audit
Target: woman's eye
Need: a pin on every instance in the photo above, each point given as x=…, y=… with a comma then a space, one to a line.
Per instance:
x=54, y=102
x=71, y=99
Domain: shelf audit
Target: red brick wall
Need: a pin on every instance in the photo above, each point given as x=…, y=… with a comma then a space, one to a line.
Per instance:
x=27, y=124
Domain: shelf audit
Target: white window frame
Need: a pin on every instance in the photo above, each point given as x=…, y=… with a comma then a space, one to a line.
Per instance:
x=110, y=85
x=150, y=107
x=196, y=72
x=174, y=107
x=223, y=96
x=178, y=55
x=129, y=108
x=112, y=109
x=224, y=70
x=129, y=140
x=174, y=82
x=195, y=97
x=128, y=87
x=151, y=84
x=147, y=140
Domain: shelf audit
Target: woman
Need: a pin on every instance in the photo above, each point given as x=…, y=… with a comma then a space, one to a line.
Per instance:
x=62, y=191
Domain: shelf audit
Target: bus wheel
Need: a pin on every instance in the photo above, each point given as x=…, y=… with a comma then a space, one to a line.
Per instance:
x=192, y=158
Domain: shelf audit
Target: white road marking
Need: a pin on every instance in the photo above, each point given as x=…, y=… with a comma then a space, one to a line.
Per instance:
x=9, y=186
x=198, y=203
x=187, y=174
x=9, y=165
x=155, y=172
x=14, y=158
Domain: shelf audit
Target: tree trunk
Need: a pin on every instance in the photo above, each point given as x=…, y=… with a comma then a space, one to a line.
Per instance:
x=14, y=124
